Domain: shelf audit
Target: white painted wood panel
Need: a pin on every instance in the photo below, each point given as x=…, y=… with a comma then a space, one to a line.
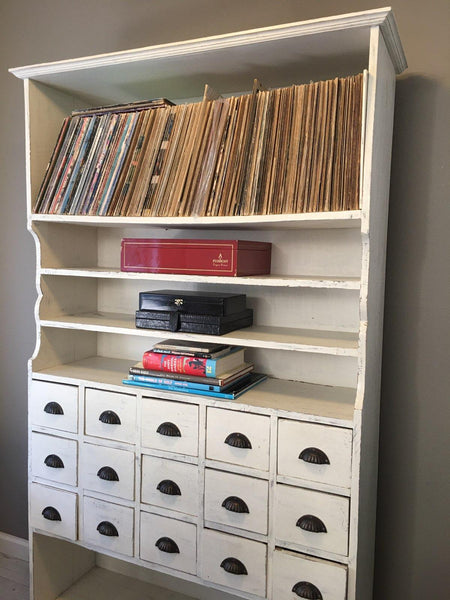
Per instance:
x=184, y=535
x=295, y=437
x=54, y=458
x=42, y=497
x=98, y=402
x=291, y=504
x=220, y=486
x=224, y=423
x=156, y=470
x=96, y=512
x=94, y=458
x=63, y=417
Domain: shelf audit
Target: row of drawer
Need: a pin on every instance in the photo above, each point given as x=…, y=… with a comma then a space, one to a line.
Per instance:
x=306, y=451
x=224, y=559
x=304, y=517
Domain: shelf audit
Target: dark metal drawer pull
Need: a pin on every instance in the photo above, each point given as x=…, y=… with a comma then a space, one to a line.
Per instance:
x=307, y=590
x=51, y=514
x=109, y=417
x=312, y=524
x=169, y=429
x=166, y=486
x=314, y=456
x=54, y=462
x=233, y=566
x=108, y=529
x=238, y=440
x=165, y=544
x=107, y=474
x=235, y=504
x=53, y=408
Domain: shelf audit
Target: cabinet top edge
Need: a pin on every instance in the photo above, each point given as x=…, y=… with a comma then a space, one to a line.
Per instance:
x=382, y=17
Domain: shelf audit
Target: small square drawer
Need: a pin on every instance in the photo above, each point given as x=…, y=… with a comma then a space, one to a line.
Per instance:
x=236, y=500
x=54, y=458
x=296, y=575
x=313, y=452
x=169, y=542
x=238, y=438
x=108, y=470
x=310, y=519
x=109, y=526
x=54, y=405
x=53, y=510
x=234, y=562
x=111, y=415
x=170, y=484
x=170, y=426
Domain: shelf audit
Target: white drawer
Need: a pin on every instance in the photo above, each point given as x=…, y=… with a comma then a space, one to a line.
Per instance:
x=170, y=484
x=302, y=515
x=54, y=405
x=314, y=452
x=236, y=500
x=170, y=426
x=169, y=542
x=238, y=438
x=306, y=575
x=234, y=562
x=109, y=526
x=54, y=458
x=111, y=415
x=108, y=470
x=53, y=510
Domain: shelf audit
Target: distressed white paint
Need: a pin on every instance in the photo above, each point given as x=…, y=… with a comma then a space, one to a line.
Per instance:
x=64, y=502
x=43, y=446
x=43, y=392
x=95, y=512
x=94, y=457
x=123, y=405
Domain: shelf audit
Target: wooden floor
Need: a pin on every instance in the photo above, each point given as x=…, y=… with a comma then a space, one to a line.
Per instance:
x=14, y=582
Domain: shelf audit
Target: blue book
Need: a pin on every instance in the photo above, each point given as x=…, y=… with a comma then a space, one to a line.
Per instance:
x=231, y=393
x=188, y=385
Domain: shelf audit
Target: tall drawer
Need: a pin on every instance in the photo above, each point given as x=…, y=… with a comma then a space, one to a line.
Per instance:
x=170, y=426
x=234, y=562
x=238, y=438
x=111, y=415
x=53, y=510
x=54, y=405
x=170, y=484
x=299, y=576
x=54, y=458
x=169, y=542
x=311, y=519
x=236, y=500
x=314, y=452
x=108, y=470
x=109, y=526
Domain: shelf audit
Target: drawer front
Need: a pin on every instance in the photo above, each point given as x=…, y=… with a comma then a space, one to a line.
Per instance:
x=54, y=511
x=234, y=562
x=314, y=520
x=169, y=542
x=170, y=426
x=298, y=576
x=170, y=484
x=236, y=500
x=54, y=405
x=111, y=415
x=108, y=470
x=238, y=438
x=313, y=452
x=54, y=458
x=109, y=526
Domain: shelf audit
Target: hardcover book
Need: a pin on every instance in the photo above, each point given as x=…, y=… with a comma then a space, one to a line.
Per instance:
x=222, y=380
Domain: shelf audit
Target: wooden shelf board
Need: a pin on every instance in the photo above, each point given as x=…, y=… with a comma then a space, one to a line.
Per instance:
x=338, y=343
x=317, y=403
x=308, y=281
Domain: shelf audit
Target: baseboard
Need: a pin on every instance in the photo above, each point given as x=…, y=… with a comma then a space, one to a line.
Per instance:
x=13, y=546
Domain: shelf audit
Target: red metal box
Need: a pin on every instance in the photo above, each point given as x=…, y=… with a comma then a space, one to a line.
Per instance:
x=196, y=257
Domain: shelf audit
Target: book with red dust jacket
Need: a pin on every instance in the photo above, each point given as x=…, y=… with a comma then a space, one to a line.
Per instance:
x=193, y=365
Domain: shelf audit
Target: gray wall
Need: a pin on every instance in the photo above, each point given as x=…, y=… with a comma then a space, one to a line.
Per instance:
x=412, y=554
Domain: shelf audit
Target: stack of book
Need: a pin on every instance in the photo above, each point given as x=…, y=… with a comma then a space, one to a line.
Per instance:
x=205, y=369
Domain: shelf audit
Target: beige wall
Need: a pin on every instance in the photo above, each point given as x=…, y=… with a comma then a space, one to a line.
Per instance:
x=412, y=551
